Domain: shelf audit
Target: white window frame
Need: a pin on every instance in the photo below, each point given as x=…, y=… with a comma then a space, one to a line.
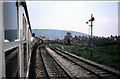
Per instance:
x=2, y=55
x=6, y=46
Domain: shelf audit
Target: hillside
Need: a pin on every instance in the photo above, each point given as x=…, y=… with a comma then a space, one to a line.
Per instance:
x=50, y=33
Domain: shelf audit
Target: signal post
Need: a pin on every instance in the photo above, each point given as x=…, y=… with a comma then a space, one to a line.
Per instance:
x=91, y=20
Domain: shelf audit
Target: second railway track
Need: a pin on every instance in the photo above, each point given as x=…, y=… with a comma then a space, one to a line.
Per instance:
x=99, y=72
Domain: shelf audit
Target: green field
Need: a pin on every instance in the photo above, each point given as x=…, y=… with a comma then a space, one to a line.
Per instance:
x=107, y=55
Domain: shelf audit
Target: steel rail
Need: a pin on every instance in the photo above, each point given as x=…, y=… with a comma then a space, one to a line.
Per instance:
x=44, y=65
x=97, y=74
x=78, y=64
x=57, y=64
x=70, y=77
x=117, y=74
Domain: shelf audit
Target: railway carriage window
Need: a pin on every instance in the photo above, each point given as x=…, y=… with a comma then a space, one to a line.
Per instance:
x=11, y=59
x=10, y=21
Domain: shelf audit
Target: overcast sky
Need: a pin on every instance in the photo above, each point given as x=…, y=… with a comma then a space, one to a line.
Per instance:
x=73, y=15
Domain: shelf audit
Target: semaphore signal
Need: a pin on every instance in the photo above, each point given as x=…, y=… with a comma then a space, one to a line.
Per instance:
x=91, y=20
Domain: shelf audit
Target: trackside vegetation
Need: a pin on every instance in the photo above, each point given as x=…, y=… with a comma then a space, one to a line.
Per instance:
x=107, y=55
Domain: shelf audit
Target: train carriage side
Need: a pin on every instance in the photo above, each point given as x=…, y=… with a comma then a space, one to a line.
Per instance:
x=15, y=40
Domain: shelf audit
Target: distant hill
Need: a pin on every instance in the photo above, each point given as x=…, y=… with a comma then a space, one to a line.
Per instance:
x=50, y=33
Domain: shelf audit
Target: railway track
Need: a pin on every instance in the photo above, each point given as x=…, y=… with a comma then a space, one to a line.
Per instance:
x=53, y=68
x=41, y=71
x=37, y=68
x=44, y=66
x=96, y=70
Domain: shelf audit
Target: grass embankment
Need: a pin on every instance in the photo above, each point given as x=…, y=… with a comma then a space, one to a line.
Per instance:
x=107, y=55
